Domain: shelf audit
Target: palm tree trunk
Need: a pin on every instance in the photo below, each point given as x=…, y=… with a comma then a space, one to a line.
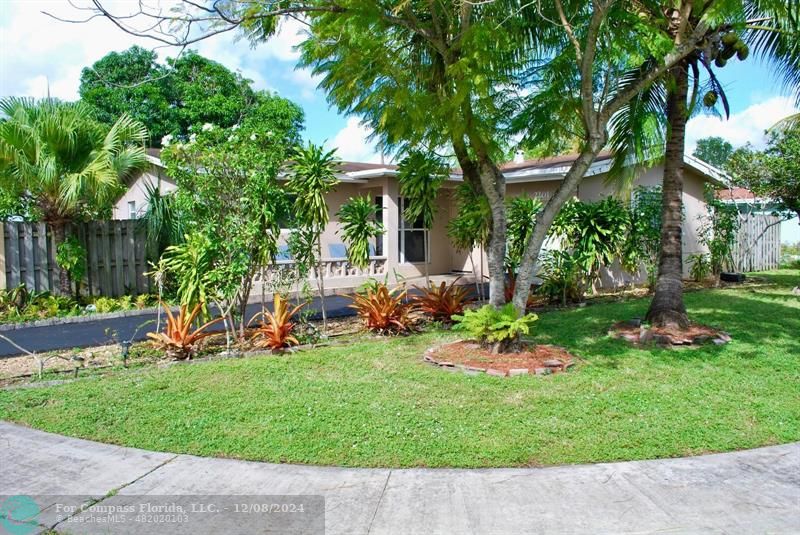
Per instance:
x=667, y=306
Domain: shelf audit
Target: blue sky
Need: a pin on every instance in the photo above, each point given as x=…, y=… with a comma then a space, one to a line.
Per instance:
x=37, y=52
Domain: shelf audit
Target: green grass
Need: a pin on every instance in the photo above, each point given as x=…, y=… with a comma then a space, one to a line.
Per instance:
x=374, y=403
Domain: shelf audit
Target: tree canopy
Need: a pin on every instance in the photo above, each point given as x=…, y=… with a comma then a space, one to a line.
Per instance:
x=774, y=172
x=713, y=150
x=169, y=99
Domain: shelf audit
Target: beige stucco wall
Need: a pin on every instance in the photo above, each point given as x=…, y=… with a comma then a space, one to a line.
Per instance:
x=138, y=194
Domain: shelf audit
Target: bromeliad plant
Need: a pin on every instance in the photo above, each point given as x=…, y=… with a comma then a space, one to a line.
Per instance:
x=382, y=310
x=499, y=327
x=275, y=331
x=442, y=302
x=179, y=340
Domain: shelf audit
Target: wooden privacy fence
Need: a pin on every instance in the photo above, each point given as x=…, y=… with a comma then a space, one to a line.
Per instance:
x=758, y=244
x=116, y=257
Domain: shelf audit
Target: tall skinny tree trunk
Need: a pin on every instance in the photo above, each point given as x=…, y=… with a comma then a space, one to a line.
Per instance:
x=60, y=233
x=321, y=285
x=667, y=306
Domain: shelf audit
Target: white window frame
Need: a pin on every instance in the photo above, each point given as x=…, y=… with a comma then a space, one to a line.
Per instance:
x=402, y=229
x=132, y=213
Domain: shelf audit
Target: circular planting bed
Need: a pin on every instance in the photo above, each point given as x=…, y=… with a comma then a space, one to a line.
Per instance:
x=639, y=334
x=472, y=358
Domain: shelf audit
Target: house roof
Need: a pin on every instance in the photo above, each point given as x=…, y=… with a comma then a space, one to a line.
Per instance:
x=553, y=168
x=736, y=194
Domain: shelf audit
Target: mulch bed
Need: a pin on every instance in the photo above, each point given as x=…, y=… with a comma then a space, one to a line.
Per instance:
x=472, y=358
x=636, y=333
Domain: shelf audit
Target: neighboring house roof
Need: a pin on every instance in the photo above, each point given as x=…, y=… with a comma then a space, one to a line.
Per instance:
x=553, y=168
x=736, y=194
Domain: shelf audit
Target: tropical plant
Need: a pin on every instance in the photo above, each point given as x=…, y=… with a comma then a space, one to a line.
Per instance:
x=511, y=288
x=162, y=222
x=276, y=328
x=471, y=226
x=230, y=202
x=442, y=301
x=420, y=177
x=502, y=327
x=190, y=263
x=718, y=232
x=522, y=212
x=312, y=176
x=71, y=257
x=643, y=241
x=562, y=277
x=700, y=266
x=382, y=310
x=179, y=340
x=358, y=228
x=69, y=165
x=594, y=233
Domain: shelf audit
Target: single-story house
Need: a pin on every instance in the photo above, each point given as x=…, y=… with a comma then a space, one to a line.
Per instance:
x=403, y=250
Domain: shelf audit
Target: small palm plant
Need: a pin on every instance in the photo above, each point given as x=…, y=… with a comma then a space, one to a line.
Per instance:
x=275, y=331
x=357, y=218
x=311, y=178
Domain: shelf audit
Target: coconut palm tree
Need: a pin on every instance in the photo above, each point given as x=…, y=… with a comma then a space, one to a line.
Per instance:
x=69, y=165
x=658, y=117
x=312, y=176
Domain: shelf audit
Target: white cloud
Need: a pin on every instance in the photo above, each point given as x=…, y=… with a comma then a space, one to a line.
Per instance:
x=352, y=144
x=747, y=126
x=37, y=51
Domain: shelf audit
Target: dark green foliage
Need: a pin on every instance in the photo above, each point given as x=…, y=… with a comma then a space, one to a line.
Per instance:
x=471, y=225
x=176, y=99
x=420, y=176
x=594, y=233
x=562, y=277
x=71, y=256
x=713, y=150
x=490, y=325
x=643, y=241
x=521, y=212
x=718, y=232
x=358, y=228
x=162, y=221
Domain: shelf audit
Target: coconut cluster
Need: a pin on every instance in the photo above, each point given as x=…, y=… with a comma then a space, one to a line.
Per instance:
x=719, y=51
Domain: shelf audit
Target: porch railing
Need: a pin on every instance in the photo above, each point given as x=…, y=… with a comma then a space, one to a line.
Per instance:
x=332, y=268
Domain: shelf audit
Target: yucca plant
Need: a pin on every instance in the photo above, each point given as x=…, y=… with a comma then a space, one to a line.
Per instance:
x=275, y=331
x=179, y=341
x=382, y=310
x=442, y=301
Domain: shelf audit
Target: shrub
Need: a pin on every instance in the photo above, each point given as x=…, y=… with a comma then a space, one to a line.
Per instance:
x=561, y=277
x=179, y=341
x=275, y=331
x=500, y=326
x=442, y=301
x=701, y=267
x=71, y=256
x=382, y=310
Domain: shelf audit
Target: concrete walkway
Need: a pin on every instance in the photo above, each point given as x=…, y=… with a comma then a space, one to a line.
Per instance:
x=756, y=491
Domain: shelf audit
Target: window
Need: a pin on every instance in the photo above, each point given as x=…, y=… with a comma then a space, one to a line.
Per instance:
x=414, y=246
x=131, y=209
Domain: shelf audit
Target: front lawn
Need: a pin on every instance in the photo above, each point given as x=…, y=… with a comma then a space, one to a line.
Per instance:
x=375, y=403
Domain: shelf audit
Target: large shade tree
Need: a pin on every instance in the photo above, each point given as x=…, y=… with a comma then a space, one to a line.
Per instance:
x=462, y=74
x=171, y=98
x=67, y=164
